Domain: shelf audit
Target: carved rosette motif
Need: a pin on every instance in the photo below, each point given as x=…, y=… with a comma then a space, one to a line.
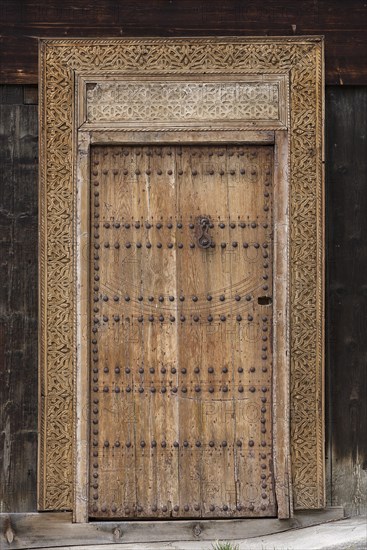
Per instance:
x=61, y=61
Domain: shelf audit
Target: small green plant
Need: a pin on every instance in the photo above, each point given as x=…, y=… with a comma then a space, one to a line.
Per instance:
x=225, y=545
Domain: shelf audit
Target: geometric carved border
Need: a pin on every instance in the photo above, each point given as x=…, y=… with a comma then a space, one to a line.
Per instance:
x=254, y=101
x=62, y=62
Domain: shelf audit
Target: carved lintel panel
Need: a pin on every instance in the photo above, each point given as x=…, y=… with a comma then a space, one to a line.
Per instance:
x=62, y=63
x=182, y=102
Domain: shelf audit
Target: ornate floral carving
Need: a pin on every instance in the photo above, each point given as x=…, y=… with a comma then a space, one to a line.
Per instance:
x=61, y=62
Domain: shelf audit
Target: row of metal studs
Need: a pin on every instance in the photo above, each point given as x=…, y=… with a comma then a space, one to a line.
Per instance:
x=173, y=370
x=172, y=319
x=174, y=389
x=170, y=172
x=95, y=408
x=176, y=508
x=171, y=298
x=176, y=445
x=170, y=225
x=171, y=245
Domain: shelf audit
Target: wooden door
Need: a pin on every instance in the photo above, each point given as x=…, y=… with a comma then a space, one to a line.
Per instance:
x=181, y=332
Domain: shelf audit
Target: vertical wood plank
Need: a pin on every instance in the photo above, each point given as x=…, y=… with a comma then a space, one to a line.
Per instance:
x=281, y=355
x=346, y=191
x=18, y=303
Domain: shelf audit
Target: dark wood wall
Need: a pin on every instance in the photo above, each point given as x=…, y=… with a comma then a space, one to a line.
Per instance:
x=346, y=230
x=18, y=298
x=343, y=23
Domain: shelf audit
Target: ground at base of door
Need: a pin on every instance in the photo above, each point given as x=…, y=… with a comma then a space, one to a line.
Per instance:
x=346, y=534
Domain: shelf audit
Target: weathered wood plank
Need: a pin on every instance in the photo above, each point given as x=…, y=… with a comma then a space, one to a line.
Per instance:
x=346, y=169
x=342, y=23
x=11, y=95
x=18, y=303
x=53, y=529
x=30, y=95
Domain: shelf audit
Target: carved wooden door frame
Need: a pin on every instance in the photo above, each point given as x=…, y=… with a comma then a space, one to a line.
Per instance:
x=188, y=90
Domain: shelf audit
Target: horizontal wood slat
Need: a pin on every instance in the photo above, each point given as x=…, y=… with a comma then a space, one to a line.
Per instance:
x=51, y=529
x=342, y=23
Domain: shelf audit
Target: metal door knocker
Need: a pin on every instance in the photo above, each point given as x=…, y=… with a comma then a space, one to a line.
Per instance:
x=204, y=240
